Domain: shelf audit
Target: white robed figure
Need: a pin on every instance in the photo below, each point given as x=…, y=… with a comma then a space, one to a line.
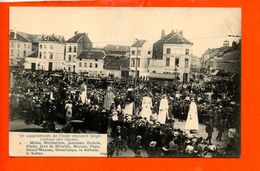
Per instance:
x=129, y=103
x=83, y=93
x=146, y=111
x=109, y=98
x=192, y=122
x=163, y=110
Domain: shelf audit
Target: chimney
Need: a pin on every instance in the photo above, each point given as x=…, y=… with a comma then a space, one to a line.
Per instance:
x=76, y=32
x=162, y=33
x=181, y=32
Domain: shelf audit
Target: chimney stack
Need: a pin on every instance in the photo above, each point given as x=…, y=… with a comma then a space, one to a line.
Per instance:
x=162, y=33
x=76, y=32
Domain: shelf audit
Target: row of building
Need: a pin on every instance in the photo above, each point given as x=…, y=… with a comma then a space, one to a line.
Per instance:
x=168, y=58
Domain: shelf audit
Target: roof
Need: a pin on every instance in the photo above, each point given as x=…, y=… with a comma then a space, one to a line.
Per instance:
x=119, y=48
x=32, y=55
x=138, y=43
x=92, y=54
x=51, y=38
x=36, y=38
x=161, y=76
x=115, y=62
x=18, y=36
x=77, y=37
x=174, y=38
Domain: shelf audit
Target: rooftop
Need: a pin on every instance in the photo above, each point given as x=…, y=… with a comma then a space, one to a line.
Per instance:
x=92, y=54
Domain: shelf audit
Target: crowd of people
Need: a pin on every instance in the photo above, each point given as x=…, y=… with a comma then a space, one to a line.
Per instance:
x=49, y=98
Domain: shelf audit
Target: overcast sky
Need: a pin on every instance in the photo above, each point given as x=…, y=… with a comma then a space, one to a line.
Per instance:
x=205, y=27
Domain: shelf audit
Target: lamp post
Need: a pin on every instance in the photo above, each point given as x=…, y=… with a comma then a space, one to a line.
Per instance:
x=135, y=83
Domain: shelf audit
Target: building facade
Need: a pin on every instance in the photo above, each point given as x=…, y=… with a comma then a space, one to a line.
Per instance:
x=50, y=55
x=91, y=63
x=171, y=58
x=116, y=67
x=140, y=55
x=74, y=47
x=20, y=47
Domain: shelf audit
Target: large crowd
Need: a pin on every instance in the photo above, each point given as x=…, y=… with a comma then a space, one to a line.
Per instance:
x=48, y=98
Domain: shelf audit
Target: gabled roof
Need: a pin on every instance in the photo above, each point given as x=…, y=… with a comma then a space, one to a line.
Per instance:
x=92, y=54
x=77, y=37
x=116, y=62
x=36, y=38
x=51, y=38
x=117, y=48
x=18, y=36
x=174, y=38
x=138, y=43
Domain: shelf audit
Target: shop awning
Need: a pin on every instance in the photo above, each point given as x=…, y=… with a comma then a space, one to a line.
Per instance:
x=162, y=76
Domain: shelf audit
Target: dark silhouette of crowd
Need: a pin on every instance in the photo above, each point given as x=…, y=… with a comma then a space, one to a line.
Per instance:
x=40, y=98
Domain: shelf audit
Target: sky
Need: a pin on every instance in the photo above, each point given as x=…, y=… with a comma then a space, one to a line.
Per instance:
x=205, y=27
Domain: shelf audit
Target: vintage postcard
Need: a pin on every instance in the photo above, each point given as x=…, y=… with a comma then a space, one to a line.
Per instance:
x=125, y=82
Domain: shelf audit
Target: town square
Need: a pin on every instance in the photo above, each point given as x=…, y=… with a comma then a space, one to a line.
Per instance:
x=155, y=87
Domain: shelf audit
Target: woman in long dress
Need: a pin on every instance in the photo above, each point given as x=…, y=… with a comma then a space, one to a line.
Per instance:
x=146, y=111
x=192, y=122
x=163, y=110
x=83, y=93
x=109, y=98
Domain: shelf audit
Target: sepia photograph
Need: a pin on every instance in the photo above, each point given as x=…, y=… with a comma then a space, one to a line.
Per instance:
x=159, y=82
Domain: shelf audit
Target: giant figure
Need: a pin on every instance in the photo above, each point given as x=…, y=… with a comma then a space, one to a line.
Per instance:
x=192, y=122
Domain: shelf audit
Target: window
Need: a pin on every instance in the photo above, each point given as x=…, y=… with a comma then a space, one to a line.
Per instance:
x=12, y=52
x=40, y=55
x=186, y=63
x=44, y=55
x=29, y=46
x=132, y=62
x=18, y=45
x=51, y=46
x=187, y=51
x=40, y=46
x=24, y=53
x=96, y=65
x=133, y=52
x=75, y=49
x=51, y=55
x=45, y=46
x=168, y=51
x=138, y=52
x=18, y=54
x=149, y=52
x=69, y=48
x=24, y=45
x=64, y=57
x=85, y=64
x=12, y=44
x=96, y=59
x=90, y=65
x=74, y=58
x=80, y=64
x=167, y=62
x=154, y=71
x=149, y=61
x=177, y=61
x=69, y=57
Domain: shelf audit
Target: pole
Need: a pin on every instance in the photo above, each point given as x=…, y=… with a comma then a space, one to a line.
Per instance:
x=136, y=64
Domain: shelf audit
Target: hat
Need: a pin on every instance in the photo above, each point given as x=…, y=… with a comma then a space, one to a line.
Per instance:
x=138, y=137
x=152, y=143
x=189, y=149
